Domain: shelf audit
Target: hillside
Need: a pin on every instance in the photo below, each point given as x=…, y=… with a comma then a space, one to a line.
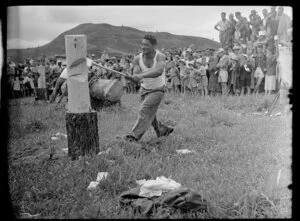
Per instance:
x=115, y=39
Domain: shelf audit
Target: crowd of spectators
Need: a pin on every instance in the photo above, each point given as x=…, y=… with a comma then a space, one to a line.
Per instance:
x=246, y=62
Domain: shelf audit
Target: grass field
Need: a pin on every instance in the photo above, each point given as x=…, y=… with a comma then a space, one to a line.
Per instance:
x=242, y=164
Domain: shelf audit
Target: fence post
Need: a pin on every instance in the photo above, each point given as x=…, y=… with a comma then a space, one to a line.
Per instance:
x=81, y=122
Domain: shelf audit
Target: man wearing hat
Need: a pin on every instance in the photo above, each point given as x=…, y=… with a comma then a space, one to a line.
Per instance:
x=234, y=74
x=223, y=66
x=255, y=21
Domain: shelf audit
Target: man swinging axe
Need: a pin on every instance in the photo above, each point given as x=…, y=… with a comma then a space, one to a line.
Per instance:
x=148, y=68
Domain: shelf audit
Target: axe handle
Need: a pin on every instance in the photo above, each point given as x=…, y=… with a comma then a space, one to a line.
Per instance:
x=125, y=75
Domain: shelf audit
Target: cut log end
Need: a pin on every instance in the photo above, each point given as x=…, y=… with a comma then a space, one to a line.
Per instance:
x=82, y=133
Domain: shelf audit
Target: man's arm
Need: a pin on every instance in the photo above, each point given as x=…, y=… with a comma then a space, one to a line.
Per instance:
x=58, y=85
x=156, y=71
x=216, y=26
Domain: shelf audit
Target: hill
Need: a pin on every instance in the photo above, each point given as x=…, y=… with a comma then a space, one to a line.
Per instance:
x=115, y=39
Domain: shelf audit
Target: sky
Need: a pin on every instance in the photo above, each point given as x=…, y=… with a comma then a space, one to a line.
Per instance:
x=32, y=26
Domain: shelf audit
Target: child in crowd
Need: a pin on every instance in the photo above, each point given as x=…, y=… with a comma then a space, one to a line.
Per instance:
x=270, y=80
x=213, y=75
x=245, y=78
x=175, y=77
x=192, y=79
x=203, y=79
x=184, y=76
x=260, y=67
x=234, y=79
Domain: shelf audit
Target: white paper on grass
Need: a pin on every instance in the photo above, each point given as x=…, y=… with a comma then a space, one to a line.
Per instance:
x=101, y=176
x=93, y=185
x=184, y=151
x=158, y=186
x=54, y=138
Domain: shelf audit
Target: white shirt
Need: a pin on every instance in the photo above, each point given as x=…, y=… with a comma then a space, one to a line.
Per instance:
x=151, y=83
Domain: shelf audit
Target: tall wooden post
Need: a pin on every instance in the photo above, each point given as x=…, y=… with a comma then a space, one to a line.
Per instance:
x=81, y=122
x=41, y=91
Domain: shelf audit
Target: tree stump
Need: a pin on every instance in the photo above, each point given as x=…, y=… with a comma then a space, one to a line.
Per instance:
x=82, y=130
x=41, y=94
x=81, y=122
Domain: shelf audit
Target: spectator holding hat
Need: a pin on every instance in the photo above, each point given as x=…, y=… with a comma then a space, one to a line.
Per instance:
x=223, y=27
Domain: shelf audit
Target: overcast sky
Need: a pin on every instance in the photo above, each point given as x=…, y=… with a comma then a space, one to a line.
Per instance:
x=32, y=26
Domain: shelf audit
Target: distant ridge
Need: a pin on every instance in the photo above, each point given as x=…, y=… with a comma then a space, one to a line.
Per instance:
x=115, y=39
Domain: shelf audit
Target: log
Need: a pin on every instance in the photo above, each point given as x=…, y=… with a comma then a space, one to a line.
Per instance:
x=81, y=122
x=82, y=132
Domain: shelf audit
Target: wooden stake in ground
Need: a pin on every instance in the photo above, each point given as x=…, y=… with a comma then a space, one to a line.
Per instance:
x=81, y=122
x=41, y=91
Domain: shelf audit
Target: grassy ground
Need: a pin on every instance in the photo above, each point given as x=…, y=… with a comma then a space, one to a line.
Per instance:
x=236, y=165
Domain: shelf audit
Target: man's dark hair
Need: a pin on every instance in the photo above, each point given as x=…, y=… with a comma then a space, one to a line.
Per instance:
x=150, y=38
x=237, y=13
x=223, y=13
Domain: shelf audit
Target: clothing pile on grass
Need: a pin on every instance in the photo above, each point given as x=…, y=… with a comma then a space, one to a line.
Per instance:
x=162, y=192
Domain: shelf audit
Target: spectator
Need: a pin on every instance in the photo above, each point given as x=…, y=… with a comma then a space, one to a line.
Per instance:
x=213, y=77
x=223, y=27
x=223, y=73
x=241, y=27
x=260, y=67
x=264, y=20
x=184, y=76
x=203, y=77
x=232, y=23
x=255, y=21
x=233, y=80
x=245, y=78
x=284, y=25
x=175, y=78
x=270, y=80
x=192, y=78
